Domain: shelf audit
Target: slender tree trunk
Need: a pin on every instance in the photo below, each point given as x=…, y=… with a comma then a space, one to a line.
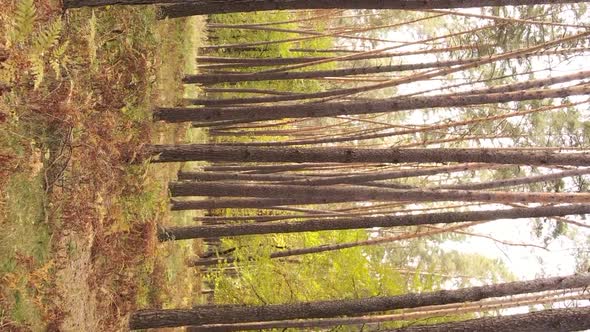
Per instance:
x=335, y=34
x=243, y=203
x=403, y=80
x=192, y=232
x=201, y=315
x=369, y=134
x=270, y=168
x=260, y=113
x=228, y=6
x=518, y=181
x=359, y=193
x=507, y=19
x=236, y=90
x=332, y=247
x=323, y=15
x=210, y=152
x=256, y=62
x=221, y=176
x=310, y=35
x=233, y=77
x=325, y=180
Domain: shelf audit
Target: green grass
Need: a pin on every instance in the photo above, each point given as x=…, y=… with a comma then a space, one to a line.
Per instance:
x=166, y=280
x=24, y=245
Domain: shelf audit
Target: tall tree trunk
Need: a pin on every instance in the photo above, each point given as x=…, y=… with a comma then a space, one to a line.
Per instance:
x=266, y=169
x=471, y=325
x=201, y=315
x=229, y=6
x=192, y=232
x=211, y=152
x=354, y=178
x=240, y=90
x=256, y=62
x=233, y=77
x=332, y=247
x=359, y=193
x=518, y=181
x=260, y=113
x=242, y=203
x=551, y=320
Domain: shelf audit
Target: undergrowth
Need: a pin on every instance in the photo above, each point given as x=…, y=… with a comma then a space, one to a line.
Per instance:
x=78, y=206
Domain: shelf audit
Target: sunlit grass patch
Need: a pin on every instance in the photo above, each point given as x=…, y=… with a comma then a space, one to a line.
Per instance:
x=24, y=249
x=165, y=280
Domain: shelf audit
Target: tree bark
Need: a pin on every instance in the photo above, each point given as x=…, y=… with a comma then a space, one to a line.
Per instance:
x=229, y=6
x=242, y=203
x=519, y=181
x=233, y=77
x=353, y=178
x=261, y=113
x=256, y=62
x=359, y=193
x=239, y=90
x=211, y=152
x=436, y=311
x=192, y=232
x=551, y=320
x=266, y=169
x=212, y=314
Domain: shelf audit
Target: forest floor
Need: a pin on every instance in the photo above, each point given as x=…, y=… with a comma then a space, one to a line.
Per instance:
x=79, y=203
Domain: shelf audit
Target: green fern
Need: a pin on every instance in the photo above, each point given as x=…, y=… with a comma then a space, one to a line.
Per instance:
x=24, y=20
x=91, y=38
x=59, y=59
x=58, y=52
x=43, y=42
x=48, y=37
x=37, y=70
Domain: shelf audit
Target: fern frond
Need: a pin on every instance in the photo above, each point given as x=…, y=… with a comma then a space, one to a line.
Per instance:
x=48, y=37
x=91, y=38
x=24, y=19
x=56, y=66
x=58, y=52
x=59, y=59
x=38, y=70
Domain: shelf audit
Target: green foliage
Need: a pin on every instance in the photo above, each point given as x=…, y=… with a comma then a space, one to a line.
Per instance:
x=278, y=50
x=25, y=237
x=40, y=42
x=24, y=21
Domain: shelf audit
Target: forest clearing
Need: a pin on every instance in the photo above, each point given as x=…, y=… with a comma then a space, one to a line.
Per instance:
x=337, y=165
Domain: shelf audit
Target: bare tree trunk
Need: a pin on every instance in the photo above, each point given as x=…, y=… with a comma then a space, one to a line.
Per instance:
x=192, y=232
x=206, y=152
x=360, y=193
x=480, y=306
x=332, y=247
x=518, y=181
x=233, y=77
x=265, y=169
x=354, y=178
x=260, y=113
x=257, y=62
x=241, y=90
x=201, y=315
x=551, y=320
x=228, y=6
